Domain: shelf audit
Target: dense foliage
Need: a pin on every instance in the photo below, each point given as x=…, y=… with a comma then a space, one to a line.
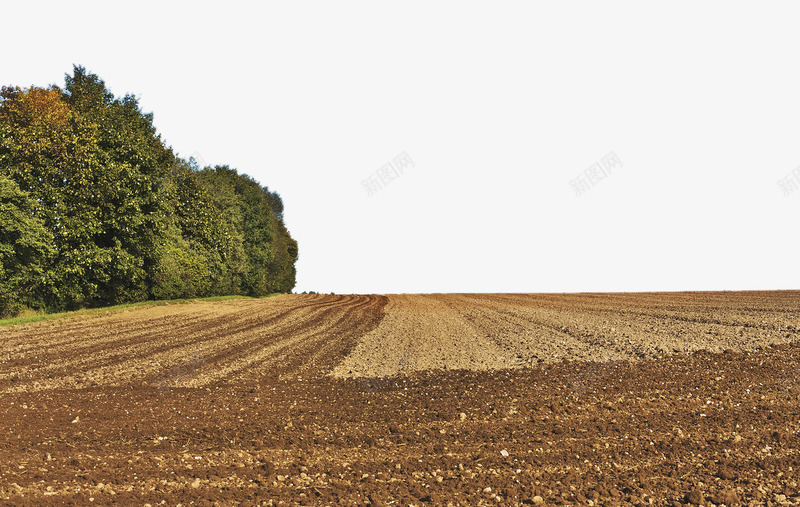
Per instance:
x=96, y=210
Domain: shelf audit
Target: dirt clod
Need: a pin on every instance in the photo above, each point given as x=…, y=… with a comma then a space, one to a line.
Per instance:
x=695, y=497
x=727, y=497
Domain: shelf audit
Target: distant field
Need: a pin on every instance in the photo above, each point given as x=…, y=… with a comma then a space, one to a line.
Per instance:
x=608, y=398
x=495, y=331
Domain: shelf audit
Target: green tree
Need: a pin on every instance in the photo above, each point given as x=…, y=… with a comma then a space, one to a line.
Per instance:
x=219, y=185
x=130, y=188
x=282, y=267
x=260, y=235
x=196, y=244
x=125, y=218
x=182, y=270
x=48, y=153
x=25, y=249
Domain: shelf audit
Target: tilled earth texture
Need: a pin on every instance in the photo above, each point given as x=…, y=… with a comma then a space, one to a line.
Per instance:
x=463, y=399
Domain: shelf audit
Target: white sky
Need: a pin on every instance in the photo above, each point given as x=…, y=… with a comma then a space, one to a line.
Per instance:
x=500, y=105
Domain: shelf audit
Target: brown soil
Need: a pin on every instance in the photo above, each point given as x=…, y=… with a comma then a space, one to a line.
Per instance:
x=469, y=399
x=496, y=331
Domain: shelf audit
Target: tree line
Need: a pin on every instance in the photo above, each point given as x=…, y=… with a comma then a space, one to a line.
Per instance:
x=96, y=210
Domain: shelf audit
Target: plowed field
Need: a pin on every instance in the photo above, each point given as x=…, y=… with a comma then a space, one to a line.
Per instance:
x=469, y=399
